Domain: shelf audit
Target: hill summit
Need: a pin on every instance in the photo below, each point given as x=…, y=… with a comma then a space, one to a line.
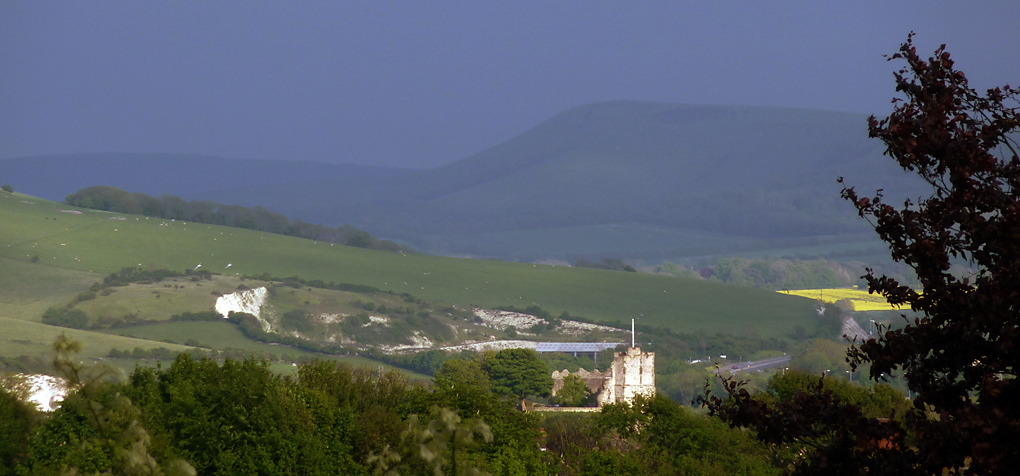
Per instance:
x=620, y=178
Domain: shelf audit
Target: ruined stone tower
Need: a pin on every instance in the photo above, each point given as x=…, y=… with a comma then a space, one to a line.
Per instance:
x=632, y=374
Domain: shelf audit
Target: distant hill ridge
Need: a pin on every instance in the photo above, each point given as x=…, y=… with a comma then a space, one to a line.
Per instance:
x=600, y=174
x=187, y=175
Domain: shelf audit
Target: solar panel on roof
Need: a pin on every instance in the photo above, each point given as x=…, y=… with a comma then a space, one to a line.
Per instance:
x=575, y=346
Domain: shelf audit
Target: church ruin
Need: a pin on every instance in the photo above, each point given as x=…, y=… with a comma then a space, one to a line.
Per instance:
x=632, y=374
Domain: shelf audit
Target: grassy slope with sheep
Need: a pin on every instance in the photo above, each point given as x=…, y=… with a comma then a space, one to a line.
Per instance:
x=55, y=254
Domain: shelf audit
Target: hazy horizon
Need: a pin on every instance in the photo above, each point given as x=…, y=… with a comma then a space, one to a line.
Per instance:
x=418, y=86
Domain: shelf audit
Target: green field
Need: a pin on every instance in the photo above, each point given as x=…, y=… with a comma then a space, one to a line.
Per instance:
x=651, y=243
x=27, y=289
x=34, y=339
x=21, y=338
x=628, y=239
x=159, y=301
x=216, y=335
x=102, y=242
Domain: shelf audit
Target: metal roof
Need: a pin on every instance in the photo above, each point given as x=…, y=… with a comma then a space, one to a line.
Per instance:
x=575, y=346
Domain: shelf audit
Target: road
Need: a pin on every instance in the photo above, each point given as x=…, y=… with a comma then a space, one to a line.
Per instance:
x=756, y=365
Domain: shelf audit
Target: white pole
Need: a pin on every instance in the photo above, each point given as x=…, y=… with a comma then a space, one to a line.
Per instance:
x=632, y=332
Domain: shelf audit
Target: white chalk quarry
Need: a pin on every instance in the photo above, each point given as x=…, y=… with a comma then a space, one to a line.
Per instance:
x=377, y=320
x=502, y=319
x=249, y=301
x=43, y=390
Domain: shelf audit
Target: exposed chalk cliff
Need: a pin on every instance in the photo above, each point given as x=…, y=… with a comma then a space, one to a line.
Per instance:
x=45, y=391
x=249, y=301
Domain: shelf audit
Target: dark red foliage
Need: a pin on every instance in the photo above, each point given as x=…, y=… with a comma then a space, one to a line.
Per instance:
x=961, y=357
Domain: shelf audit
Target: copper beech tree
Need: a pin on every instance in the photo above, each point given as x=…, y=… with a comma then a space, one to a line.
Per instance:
x=960, y=357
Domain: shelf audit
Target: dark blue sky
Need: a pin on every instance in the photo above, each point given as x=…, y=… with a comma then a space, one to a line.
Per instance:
x=418, y=84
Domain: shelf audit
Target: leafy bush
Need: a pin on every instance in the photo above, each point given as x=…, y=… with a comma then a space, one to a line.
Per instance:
x=573, y=393
x=436, y=328
x=297, y=320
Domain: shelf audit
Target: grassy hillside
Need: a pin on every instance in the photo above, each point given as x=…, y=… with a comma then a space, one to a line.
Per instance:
x=27, y=289
x=34, y=339
x=220, y=335
x=101, y=243
x=637, y=241
x=22, y=338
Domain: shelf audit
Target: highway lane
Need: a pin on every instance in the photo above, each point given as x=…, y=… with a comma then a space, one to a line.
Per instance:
x=755, y=365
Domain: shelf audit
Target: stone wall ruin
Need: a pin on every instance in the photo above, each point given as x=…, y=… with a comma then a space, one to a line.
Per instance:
x=632, y=374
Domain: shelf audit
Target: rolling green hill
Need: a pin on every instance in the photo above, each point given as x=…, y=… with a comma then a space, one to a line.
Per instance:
x=592, y=181
x=757, y=176
x=69, y=242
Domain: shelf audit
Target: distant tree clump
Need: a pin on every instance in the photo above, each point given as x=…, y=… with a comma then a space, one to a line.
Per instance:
x=63, y=317
x=678, y=271
x=138, y=275
x=7, y=188
x=611, y=264
x=784, y=273
x=960, y=358
x=519, y=373
x=102, y=197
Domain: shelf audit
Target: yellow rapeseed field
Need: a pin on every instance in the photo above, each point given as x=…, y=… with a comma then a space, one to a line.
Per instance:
x=860, y=297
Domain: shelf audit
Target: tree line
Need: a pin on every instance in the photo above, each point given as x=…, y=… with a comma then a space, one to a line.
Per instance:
x=103, y=197
x=199, y=416
x=788, y=273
